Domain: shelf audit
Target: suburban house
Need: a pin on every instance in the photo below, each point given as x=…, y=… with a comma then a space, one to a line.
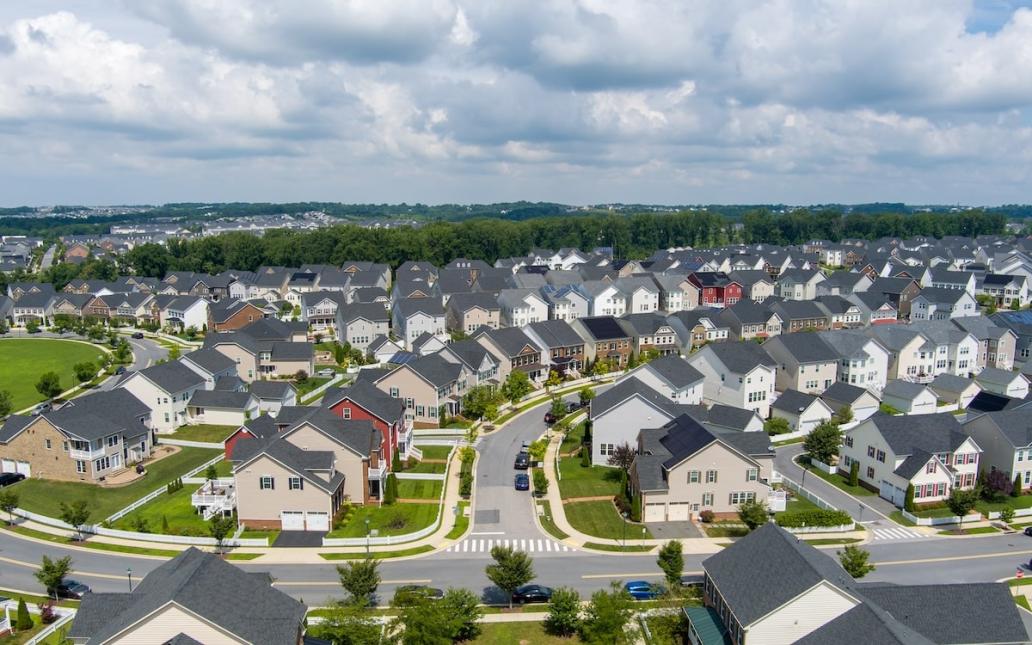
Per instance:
x=211, y=365
x=1005, y=438
x=945, y=279
x=954, y=389
x=221, y=407
x=640, y=294
x=716, y=289
x=737, y=374
x=515, y=351
x=804, y=362
x=997, y=345
x=476, y=358
x=411, y=317
x=364, y=401
x=319, y=308
x=1006, y=289
x=841, y=313
x=33, y=306
x=567, y=302
x=604, y=299
x=748, y=319
x=604, y=340
x=726, y=418
x=698, y=327
x=562, y=349
x=295, y=471
x=521, y=307
x=671, y=376
x=683, y=468
x=359, y=324
x=182, y=312
x=928, y=451
x=911, y=354
x=803, y=411
x=676, y=292
x=800, y=315
x=799, y=284
x=618, y=413
x=382, y=349
x=428, y=386
x=900, y=292
x=862, y=360
x=757, y=285
x=193, y=598
x=651, y=332
x=165, y=388
x=265, y=349
x=273, y=396
x=91, y=437
x=875, y=308
x=910, y=398
x=942, y=304
x=1005, y=382
x=229, y=314
x=468, y=312
x=808, y=599
x=861, y=401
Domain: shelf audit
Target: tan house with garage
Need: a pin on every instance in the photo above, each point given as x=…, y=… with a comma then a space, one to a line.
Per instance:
x=683, y=468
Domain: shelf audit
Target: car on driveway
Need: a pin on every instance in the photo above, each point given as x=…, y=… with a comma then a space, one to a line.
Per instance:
x=643, y=590
x=6, y=479
x=120, y=370
x=137, y=335
x=72, y=589
x=522, y=461
x=522, y=481
x=326, y=372
x=532, y=593
x=572, y=407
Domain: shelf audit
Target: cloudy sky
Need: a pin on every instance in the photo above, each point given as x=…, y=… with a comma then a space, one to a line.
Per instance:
x=579, y=101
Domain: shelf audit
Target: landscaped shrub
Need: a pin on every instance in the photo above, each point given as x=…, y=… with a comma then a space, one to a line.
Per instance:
x=46, y=612
x=818, y=517
x=585, y=456
x=23, y=620
x=636, y=509
x=706, y=516
x=466, y=484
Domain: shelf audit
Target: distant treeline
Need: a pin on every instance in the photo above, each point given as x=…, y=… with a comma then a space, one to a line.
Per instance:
x=634, y=236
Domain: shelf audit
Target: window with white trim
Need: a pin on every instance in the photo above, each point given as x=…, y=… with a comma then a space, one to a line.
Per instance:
x=266, y=482
x=295, y=483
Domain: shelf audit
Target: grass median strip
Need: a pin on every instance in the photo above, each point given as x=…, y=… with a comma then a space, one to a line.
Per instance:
x=461, y=523
x=377, y=555
x=631, y=548
x=548, y=524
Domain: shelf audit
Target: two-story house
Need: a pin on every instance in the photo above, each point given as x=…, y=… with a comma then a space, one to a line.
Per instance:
x=468, y=312
x=562, y=349
x=672, y=376
x=804, y=362
x=515, y=351
x=412, y=317
x=799, y=284
x=737, y=374
x=748, y=319
x=862, y=360
x=360, y=323
x=229, y=314
x=618, y=413
x=428, y=385
x=1005, y=438
x=716, y=289
x=935, y=303
x=604, y=340
x=166, y=389
x=651, y=332
x=362, y=400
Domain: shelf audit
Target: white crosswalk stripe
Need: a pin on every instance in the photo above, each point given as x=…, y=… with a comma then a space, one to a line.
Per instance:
x=896, y=534
x=479, y=545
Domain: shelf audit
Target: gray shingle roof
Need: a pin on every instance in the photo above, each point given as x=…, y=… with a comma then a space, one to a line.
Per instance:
x=271, y=389
x=1015, y=425
x=511, y=340
x=934, y=433
x=435, y=369
x=211, y=360
x=904, y=390
x=741, y=357
x=950, y=383
x=913, y=464
x=13, y=425
x=805, y=348
x=627, y=389
x=220, y=399
x=408, y=307
x=203, y=584
x=371, y=311
x=101, y=414
x=793, y=401
x=719, y=416
x=674, y=370
x=172, y=377
x=556, y=333
x=369, y=397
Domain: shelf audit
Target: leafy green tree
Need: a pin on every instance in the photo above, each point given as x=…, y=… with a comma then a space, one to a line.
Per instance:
x=540, y=482
x=1007, y=514
x=1015, y=487
x=908, y=499
x=32, y=326
x=122, y=351
x=453, y=618
x=220, y=527
x=960, y=502
x=49, y=385
x=360, y=578
x=23, y=620
x=511, y=569
x=636, y=508
x=51, y=573
x=586, y=394
x=554, y=379
x=671, y=561
x=478, y=401
x=606, y=617
x=752, y=514
x=516, y=386
x=854, y=473
x=174, y=352
x=211, y=472
x=563, y=613
x=348, y=624
x=622, y=457
x=822, y=444
x=390, y=489
x=776, y=425
x=8, y=503
x=76, y=514
x=6, y=403
x=84, y=371
x=854, y=561
x=844, y=415
x=558, y=409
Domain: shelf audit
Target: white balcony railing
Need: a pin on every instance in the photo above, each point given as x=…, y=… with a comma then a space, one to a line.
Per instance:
x=377, y=473
x=86, y=455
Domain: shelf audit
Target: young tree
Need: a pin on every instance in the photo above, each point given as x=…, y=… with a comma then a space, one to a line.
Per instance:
x=122, y=351
x=8, y=502
x=211, y=472
x=516, y=386
x=51, y=573
x=220, y=527
x=563, y=612
x=512, y=569
x=455, y=617
x=607, y=615
x=558, y=409
x=554, y=379
x=908, y=499
x=23, y=621
x=49, y=385
x=360, y=578
x=348, y=624
x=854, y=561
x=1016, y=486
x=961, y=501
x=77, y=514
x=540, y=482
x=32, y=326
x=844, y=415
x=463, y=610
x=822, y=444
x=478, y=401
x=671, y=561
x=6, y=403
x=854, y=473
x=601, y=368
x=1007, y=514
x=174, y=352
x=390, y=489
x=622, y=457
x=776, y=425
x=586, y=394
x=635, y=508
x=752, y=514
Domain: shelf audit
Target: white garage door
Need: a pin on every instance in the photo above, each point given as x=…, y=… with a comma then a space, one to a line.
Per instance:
x=318, y=522
x=292, y=520
x=655, y=512
x=679, y=512
x=24, y=468
x=7, y=466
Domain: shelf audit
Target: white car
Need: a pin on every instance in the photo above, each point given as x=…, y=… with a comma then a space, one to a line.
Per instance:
x=326, y=372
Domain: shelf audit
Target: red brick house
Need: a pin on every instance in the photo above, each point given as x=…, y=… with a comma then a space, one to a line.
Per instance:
x=716, y=289
x=365, y=402
x=229, y=315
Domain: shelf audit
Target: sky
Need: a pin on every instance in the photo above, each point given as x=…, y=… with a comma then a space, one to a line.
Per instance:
x=462, y=101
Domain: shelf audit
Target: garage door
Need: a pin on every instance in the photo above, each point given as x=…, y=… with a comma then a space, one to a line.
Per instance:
x=655, y=512
x=24, y=468
x=7, y=466
x=292, y=520
x=679, y=512
x=318, y=521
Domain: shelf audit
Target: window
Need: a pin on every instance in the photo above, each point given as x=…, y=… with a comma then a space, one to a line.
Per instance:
x=848, y=441
x=752, y=474
x=881, y=456
x=870, y=451
x=707, y=499
x=80, y=467
x=394, y=392
x=930, y=468
x=419, y=410
x=693, y=477
x=607, y=449
x=46, y=442
x=346, y=412
x=741, y=497
x=870, y=472
x=112, y=441
x=295, y=483
x=265, y=482
x=711, y=476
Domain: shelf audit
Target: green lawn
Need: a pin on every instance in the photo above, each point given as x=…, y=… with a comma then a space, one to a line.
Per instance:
x=717, y=530
x=841, y=483
x=205, y=432
x=548, y=524
x=899, y=518
x=1022, y=501
x=435, y=452
x=461, y=523
x=436, y=468
x=797, y=503
x=630, y=548
x=378, y=555
x=270, y=535
x=175, y=508
x=224, y=468
x=942, y=511
x=530, y=632
x=573, y=438
x=397, y=519
x=45, y=496
x=978, y=530
x=24, y=360
x=600, y=519
x=593, y=481
x=420, y=488
x=1023, y=601
x=311, y=383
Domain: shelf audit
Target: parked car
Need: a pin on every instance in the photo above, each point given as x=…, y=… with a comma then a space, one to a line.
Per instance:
x=120, y=370
x=643, y=590
x=572, y=407
x=326, y=371
x=1028, y=531
x=522, y=481
x=522, y=461
x=532, y=593
x=72, y=589
x=137, y=335
x=6, y=479
x=550, y=418
x=408, y=594
x=41, y=408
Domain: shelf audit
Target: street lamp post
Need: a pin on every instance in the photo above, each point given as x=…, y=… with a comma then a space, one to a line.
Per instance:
x=860, y=518
x=624, y=530
x=367, y=537
x=129, y=572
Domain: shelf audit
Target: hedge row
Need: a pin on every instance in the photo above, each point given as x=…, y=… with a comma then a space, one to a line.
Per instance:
x=818, y=517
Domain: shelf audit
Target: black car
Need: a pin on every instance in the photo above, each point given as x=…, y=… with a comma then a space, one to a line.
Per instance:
x=6, y=479
x=572, y=407
x=532, y=593
x=522, y=461
x=409, y=594
x=1028, y=531
x=137, y=335
x=72, y=589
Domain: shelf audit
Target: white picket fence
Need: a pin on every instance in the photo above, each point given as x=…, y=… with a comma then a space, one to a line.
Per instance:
x=941, y=521
x=50, y=629
x=421, y=476
x=189, y=444
x=153, y=494
x=317, y=392
x=64, y=616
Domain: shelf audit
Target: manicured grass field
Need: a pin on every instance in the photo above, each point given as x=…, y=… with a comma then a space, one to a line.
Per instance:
x=842, y=483
x=548, y=523
x=45, y=496
x=224, y=468
x=23, y=360
x=435, y=452
x=435, y=468
x=528, y=632
x=1022, y=501
x=593, y=481
x=378, y=555
x=176, y=508
x=204, y=432
x=573, y=439
x=600, y=519
x=397, y=519
x=419, y=488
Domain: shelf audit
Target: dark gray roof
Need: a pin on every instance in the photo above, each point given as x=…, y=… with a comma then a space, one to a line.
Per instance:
x=101, y=414
x=408, y=307
x=369, y=397
x=371, y=311
x=941, y=295
x=950, y=383
x=1014, y=425
x=287, y=351
x=231, y=400
x=211, y=360
x=435, y=369
x=996, y=376
x=511, y=340
x=741, y=357
x=463, y=302
x=13, y=425
x=877, y=626
x=796, y=309
x=644, y=324
x=172, y=376
x=470, y=353
x=603, y=328
x=271, y=389
x=934, y=433
x=793, y=401
x=722, y=416
x=805, y=347
x=913, y=464
x=904, y=390
x=627, y=389
x=204, y=584
x=556, y=333
x=674, y=370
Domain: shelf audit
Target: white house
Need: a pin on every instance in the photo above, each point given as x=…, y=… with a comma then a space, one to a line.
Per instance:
x=222, y=407
x=862, y=402
x=522, y=307
x=737, y=374
x=166, y=389
x=942, y=304
x=413, y=317
x=955, y=389
x=212, y=365
x=619, y=413
x=804, y=362
x=802, y=411
x=910, y=398
x=862, y=360
x=997, y=381
x=605, y=299
x=671, y=376
x=183, y=312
